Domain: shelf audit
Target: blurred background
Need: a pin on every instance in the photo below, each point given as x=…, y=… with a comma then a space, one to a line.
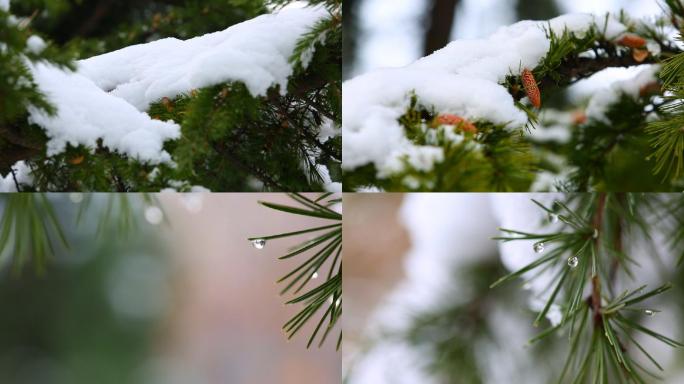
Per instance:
x=178, y=295
x=418, y=307
x=394, y=33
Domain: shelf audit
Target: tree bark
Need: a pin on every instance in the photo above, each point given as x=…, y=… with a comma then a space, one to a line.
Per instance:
x=440, y=24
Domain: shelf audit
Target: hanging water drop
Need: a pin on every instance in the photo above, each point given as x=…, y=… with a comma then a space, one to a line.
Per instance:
x=553, y=218
x=315, y=275
x=596, y=234
x=538, y=247
x=259, y=243
x=573, y=261
x=649, y=312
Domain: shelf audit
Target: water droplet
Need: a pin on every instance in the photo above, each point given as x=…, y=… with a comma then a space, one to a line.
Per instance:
x=154, y=215
x=573, y=261
x=259, y=243
x=553, y=218
x=596, y=234
x=76, y=197
x=538, y=247
x=315, y=275
x=648, y=312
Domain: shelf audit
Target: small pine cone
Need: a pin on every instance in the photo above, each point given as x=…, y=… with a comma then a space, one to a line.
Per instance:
x=77, y=160
x=168, y=104
x=639, y=55
x=531, y=88
x=579, y=117
x=631, y=40
x=458, y=121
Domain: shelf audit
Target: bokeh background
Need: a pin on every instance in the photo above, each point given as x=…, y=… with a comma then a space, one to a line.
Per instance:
x=418, y=307
x=183, y=297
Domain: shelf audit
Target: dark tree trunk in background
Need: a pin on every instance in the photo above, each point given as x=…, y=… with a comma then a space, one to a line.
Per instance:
x=350, y=32
x=536, y=9
x=441, y=19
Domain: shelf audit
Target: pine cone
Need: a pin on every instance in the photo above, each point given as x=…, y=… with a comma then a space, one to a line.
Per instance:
x=531, y=88
x=458, y=121
x=631, y=40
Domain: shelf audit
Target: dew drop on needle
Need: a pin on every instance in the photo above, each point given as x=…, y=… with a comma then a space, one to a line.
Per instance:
x=538, y=247
x=573, y=261
x=259, y=243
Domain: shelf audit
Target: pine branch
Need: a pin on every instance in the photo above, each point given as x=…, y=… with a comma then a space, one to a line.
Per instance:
x=323, y=250
x=32, y=228
x=596, y=252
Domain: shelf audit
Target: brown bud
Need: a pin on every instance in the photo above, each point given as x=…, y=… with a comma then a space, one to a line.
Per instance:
x=579, y=117
x=652, y=88
x=631, y=40
x=168, y=104
x=639, y=55
x=77, y=160
x=460, y=123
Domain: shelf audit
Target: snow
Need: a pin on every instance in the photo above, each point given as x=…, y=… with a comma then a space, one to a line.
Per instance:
x=85, y=114
x=255, y=52
x=577, y=23
x=603, y=99
x=373, y=103
x=108, y=95
x=463, y=78
x=35, y=44
x=23, y=177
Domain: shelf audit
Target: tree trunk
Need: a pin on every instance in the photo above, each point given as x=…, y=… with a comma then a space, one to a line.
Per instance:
x=440, y=24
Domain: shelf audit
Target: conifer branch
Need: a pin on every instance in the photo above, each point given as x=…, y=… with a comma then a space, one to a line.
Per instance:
x=321, y=252
x=590, y=221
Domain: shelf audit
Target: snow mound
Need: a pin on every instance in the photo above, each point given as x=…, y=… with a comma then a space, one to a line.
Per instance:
x=108, y=95
x=603, y=99
x=463, y=78
x=255, y=52
x=85, y=114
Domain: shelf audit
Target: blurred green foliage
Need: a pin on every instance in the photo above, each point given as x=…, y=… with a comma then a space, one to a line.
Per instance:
x=67, y=325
